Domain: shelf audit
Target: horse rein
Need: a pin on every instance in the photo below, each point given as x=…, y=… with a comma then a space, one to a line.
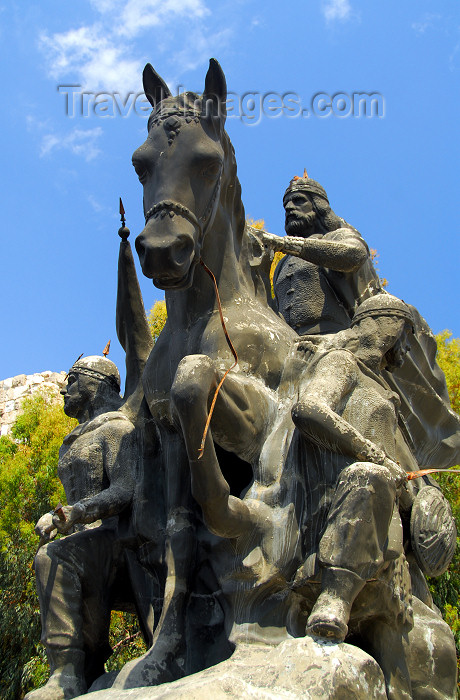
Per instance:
x=169, y=206
x=233, y=351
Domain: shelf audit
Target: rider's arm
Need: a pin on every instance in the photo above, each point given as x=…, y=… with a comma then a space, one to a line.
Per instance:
x=335, y=377
x=341, y=250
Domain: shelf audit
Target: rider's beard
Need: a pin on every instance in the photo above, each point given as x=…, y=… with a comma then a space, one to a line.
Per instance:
x=301, y=225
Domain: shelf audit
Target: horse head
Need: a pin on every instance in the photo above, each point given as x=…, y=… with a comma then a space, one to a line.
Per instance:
x=185, y=166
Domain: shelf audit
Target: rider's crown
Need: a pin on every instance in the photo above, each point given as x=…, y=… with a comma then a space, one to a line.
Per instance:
x=305, y=184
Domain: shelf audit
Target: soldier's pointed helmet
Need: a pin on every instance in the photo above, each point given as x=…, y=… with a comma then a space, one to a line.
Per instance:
x=99, y=368
x=382, y=305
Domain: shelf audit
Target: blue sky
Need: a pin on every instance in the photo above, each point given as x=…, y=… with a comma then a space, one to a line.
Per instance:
x=393, y=176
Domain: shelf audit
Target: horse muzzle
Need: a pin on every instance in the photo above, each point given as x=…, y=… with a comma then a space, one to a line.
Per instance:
x=167, y=249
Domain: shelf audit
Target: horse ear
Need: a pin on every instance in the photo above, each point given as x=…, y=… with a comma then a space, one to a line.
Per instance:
x=215, y=91
x=155, y=87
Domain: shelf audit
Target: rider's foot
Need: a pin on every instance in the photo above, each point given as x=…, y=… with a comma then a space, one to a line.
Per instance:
x=328, y=619
x=331, y=612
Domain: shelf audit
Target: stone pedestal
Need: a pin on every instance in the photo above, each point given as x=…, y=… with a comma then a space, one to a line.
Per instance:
x=296, y=669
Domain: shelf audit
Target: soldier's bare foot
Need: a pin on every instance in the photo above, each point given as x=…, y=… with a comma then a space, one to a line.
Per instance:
x=61, y=686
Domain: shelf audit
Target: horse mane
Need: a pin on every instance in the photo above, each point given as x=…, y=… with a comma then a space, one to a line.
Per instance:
x=255, y=269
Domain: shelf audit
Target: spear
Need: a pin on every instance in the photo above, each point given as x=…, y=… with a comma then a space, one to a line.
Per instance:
x=123, y=231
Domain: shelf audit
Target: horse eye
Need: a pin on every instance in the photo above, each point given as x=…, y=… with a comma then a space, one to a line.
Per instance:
x=212, y=171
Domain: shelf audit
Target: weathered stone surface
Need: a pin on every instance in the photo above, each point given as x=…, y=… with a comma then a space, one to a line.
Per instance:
x=295, y=669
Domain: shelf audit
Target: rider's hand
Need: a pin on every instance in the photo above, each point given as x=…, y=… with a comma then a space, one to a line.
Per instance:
x=396, y=471
x=271, y=241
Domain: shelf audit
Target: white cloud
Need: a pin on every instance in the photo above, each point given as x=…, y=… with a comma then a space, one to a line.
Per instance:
x=428, y=21
x=336, y=10
x=102, y=55
x=79, y=142
x=197, y=49
x=96, y=205
x=96, y=59
x=139, y=15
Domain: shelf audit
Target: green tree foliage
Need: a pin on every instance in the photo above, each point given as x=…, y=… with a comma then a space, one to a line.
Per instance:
x=446, y=588
x=157, y=318
x=449, y=360
x=29, y=487
x=125, y=639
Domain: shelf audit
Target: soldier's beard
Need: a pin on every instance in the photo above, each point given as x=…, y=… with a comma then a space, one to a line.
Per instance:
x=301, y=225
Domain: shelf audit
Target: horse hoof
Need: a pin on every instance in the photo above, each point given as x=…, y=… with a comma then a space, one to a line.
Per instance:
x=148, y=670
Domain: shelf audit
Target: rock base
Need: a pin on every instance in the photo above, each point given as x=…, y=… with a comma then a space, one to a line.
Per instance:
x=299, y=668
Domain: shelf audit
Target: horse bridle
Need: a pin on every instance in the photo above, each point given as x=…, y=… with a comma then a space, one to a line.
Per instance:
x=169, y=206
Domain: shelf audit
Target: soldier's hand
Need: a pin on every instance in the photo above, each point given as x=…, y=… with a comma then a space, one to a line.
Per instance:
x=374, y=454
x=307, y=347
x=61, y=519
x=397, y=472
x=45, y=529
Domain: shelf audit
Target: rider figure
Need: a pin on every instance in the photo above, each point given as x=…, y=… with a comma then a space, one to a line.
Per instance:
x=327, y=269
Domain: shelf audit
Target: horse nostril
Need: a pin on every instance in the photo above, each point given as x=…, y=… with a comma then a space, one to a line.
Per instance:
x=141, y=251
x=183, y=251
x=140, y=247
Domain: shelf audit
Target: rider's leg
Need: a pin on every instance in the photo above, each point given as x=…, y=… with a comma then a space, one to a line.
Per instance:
x=352, y=548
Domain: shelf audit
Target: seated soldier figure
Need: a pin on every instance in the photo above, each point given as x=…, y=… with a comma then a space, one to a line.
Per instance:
x=345, y=406
x=74, y=574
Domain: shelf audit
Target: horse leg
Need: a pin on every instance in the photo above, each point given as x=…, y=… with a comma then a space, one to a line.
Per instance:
x=235, y=419
x=226, y=516
x=431, y=656
x=389, y=647
x=165, y=660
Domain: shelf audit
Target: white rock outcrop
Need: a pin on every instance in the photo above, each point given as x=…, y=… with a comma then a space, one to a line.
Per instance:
x=14, y=389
